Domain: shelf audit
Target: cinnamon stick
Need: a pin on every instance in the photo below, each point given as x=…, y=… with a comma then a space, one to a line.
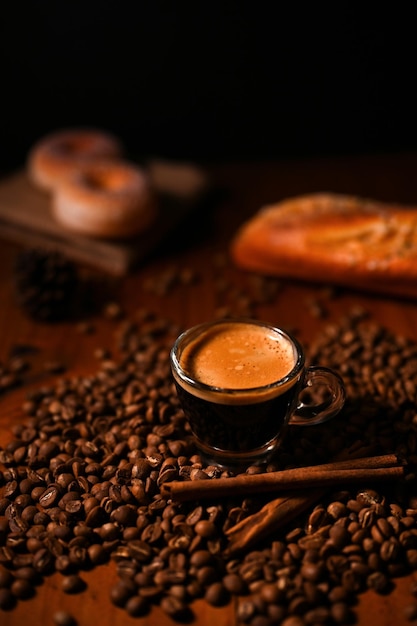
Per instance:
x=384, y=467
x=278, y=512
x=270, y=517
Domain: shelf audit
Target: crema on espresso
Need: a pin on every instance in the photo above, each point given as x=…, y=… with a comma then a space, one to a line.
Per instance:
x=238, y=356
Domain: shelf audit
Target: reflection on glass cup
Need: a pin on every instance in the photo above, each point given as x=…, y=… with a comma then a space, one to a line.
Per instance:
x=240, y=385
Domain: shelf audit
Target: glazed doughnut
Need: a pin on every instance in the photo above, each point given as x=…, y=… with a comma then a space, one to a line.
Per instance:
x=108, y=199
x=53, y=157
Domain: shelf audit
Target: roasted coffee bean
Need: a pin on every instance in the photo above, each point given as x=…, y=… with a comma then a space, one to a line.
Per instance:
x=378, y=582
x=411, y=556
x=140, y=550
x=152, y=533
x=216, y=594
x=339, y=536
x=199, y=558
x=126, y=567
x=410, y=612
x=170, y=577
x=317, y=615
x=313, y=572
x=121, y=591
x=152, y=593
x=175, y=608
x=50, y=496
x=63, y=618
x=96, y=554
x=251, y=571
x=337, y=564
x=360, y=568
x=270, y=593
x=341, y=613
x=293, y=620
x=7, y=599
x=28, y=573
x=207, y=574
x=137, y=606
x=317, y=518
x=64, y=564
x=72, y=583
x=205, y=529
x=336, y=509
x=246, y=611
x=390, y=549
x=22, y=588
x=235, y=584
x=6, y=577
x=43, y=561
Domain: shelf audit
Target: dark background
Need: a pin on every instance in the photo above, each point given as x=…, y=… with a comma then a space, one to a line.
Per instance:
x=210, y=80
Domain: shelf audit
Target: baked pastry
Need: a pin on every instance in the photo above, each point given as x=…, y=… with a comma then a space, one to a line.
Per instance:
x=332, y=238
x=56, y=155
x=109, y=199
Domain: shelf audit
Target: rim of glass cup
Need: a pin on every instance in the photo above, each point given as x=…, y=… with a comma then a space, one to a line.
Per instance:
x=197, y=384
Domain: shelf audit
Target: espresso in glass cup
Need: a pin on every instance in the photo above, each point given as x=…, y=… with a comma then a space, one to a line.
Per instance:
x=240, y=383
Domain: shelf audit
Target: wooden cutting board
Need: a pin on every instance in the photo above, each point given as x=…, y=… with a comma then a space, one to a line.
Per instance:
x=25, y=218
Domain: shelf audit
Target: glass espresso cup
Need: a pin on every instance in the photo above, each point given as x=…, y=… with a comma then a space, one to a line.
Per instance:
x=240, y=383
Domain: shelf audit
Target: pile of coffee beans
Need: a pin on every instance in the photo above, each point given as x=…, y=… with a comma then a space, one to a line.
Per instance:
x=81, y=477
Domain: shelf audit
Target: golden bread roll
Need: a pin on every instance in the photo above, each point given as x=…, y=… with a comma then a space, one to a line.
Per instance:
x=333, y=238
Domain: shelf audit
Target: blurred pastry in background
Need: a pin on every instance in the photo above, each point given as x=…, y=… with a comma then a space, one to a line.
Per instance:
x=57, y=154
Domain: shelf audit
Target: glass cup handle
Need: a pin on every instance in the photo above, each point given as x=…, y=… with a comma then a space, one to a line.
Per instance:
x=327, y=395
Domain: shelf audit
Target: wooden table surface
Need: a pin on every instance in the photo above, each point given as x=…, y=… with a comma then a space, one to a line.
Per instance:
x=243, y=188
